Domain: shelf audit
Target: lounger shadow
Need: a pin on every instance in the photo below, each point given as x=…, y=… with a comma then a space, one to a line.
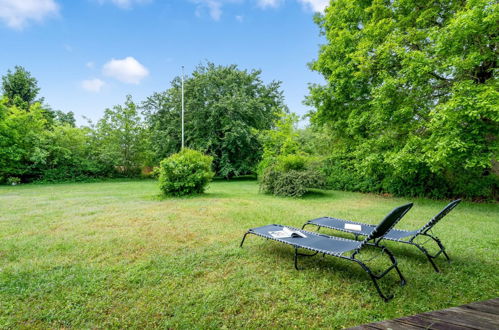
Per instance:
x=397, y=235
x=341, y=247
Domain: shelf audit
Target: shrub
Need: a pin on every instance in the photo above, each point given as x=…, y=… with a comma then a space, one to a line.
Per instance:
x=184, y=173
x=291, y=175
x=13, y=180
x=417, y=180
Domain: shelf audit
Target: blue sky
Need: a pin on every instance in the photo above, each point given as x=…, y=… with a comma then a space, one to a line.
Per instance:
x=88, y=54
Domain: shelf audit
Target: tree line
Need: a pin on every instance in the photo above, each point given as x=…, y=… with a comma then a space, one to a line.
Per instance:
x=409, y=107
x=227, y=107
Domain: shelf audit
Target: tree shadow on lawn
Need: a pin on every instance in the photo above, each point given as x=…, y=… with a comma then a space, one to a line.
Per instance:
x=161, y=197
x=237, y=178
x=317, y=194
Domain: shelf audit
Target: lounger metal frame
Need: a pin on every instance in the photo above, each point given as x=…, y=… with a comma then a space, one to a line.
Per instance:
x=373, y=240
x=409, y=239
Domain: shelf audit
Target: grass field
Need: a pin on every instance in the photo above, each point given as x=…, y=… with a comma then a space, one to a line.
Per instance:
x=116, y=254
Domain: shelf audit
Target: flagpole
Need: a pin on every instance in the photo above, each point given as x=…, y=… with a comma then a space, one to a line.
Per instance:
x=182, y=107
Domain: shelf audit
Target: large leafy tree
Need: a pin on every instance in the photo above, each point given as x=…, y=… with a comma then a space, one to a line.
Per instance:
x=412, y=93
x=225, y=109
x=20, y=88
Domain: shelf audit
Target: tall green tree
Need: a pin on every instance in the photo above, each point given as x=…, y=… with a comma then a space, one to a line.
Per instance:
x=225, y=109
x=20, y=88
x=412, y=94
x=122, y=138
x=21, y=140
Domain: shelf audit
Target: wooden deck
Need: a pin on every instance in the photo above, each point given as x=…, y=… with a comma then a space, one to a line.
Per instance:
x=479, y=315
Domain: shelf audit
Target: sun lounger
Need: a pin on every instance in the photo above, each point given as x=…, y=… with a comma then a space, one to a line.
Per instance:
x=397, y=235
x=339, y=247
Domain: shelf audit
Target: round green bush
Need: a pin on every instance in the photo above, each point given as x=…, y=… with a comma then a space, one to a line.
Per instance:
x=291, y=175
x=184, y=173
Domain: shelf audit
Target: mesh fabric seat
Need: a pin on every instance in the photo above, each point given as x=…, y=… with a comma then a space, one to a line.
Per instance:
x=314, y=242
x=402, y=236
x=341, y=247
x=366, y=229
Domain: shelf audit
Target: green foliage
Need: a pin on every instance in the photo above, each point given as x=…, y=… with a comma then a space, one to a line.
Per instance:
x=411, y=99
x=64, y=118
x=34, y=151
x=71, y=154
x=21, y=140
x=291, y=175
x=20, y=88
x=280, y=140
x=225, y=109
x=13, y=180
x=123, y=141
x=184, y=173
x=41, y=144
x=286, y=169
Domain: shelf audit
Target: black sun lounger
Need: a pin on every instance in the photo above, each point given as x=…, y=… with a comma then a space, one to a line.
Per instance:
x=402, y=236
x=341, y=247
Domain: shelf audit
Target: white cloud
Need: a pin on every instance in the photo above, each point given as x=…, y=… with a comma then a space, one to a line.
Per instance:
x=93, y=85
x=17, y=13
x=317, y=6
x=269, y=3
x=125, y=4
x=127, y=70
x=90, y=65
x=214, y=8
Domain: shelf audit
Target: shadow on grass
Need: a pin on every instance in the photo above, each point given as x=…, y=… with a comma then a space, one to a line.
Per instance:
x=162, y=197
x=235, y=179
x=317, y=194
x=316, y=267
x=460, y=274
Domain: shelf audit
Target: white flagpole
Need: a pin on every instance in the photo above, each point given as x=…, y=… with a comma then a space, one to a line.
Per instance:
x=182, y=107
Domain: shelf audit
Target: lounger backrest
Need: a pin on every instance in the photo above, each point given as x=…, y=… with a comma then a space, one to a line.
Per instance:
x=388, y=222
x=439, y=216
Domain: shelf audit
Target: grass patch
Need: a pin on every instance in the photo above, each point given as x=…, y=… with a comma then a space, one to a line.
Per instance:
x=116, y=254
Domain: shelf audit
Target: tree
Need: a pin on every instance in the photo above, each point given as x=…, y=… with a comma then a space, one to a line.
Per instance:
x=20, y=88
x=21, y=140
x=412, y=93
x=122, y=138
x=225, y=108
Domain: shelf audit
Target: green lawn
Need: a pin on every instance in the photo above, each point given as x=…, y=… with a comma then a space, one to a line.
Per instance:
x=116, y=254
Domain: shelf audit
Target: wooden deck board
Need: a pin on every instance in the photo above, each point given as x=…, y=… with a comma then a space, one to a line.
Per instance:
x=478, y=315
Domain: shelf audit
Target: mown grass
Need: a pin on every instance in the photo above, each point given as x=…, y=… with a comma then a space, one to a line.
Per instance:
x=116, y=254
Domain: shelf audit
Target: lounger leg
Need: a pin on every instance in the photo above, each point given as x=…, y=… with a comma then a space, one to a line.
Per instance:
x=428, y=256
x=440, y=245
x=432, y=263
x=374, y=279
x=296, y=259
x=446, y=256
x=385, y=298
x=395, y=264
x=244, y=237
x=302, y=255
